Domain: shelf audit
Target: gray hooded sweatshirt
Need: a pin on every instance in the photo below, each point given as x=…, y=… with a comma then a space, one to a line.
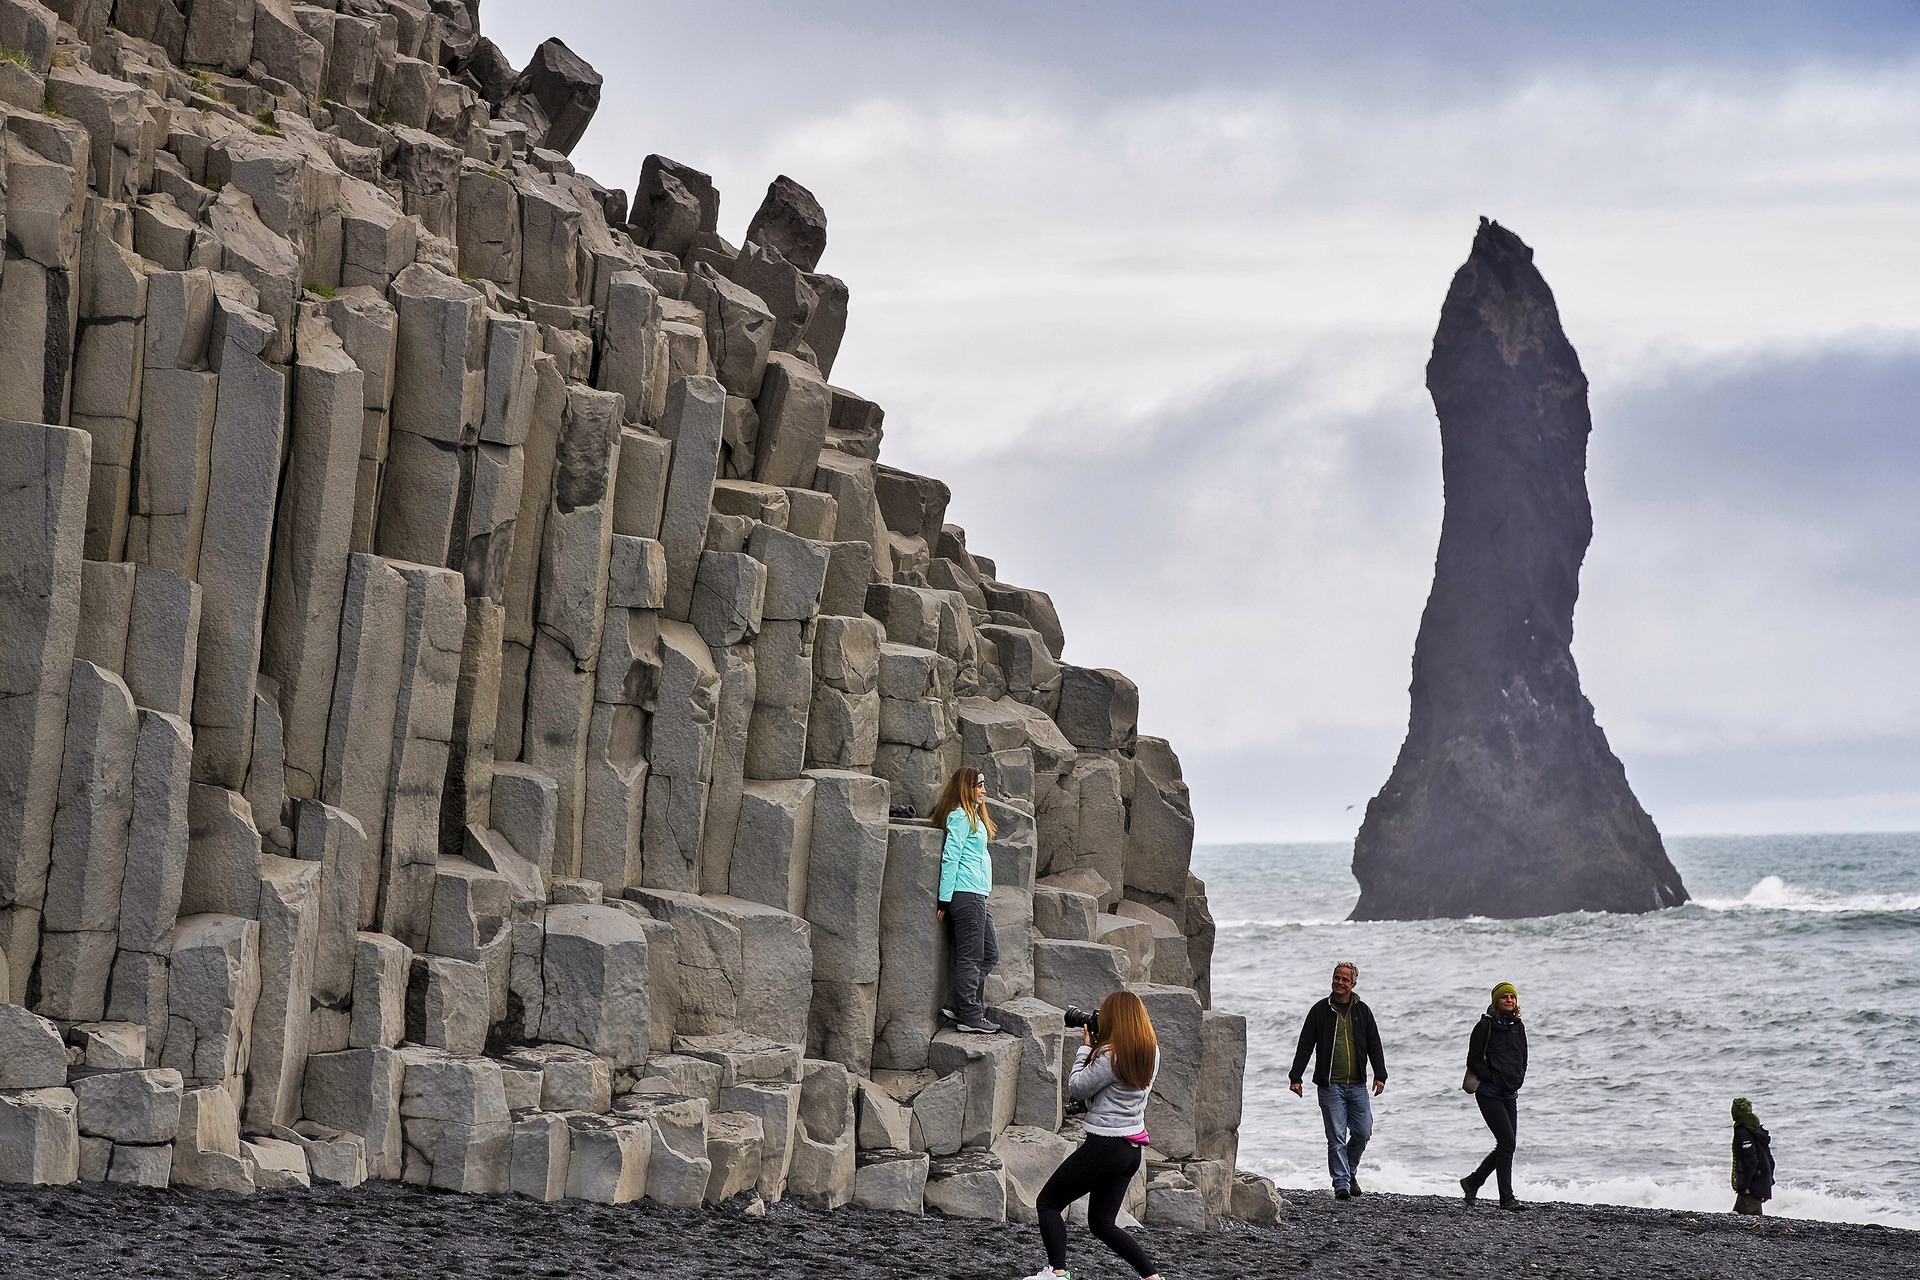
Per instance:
x=1115, y=1109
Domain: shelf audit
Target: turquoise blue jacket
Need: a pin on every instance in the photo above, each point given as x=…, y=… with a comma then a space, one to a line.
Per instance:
x=964, y=864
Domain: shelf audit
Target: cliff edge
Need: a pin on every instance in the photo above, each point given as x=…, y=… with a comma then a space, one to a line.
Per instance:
x=465, y=665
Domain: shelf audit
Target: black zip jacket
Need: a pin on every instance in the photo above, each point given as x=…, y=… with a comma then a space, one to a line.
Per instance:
x=1753, y=1162
x=1317, y=1036
x=1497, y=1050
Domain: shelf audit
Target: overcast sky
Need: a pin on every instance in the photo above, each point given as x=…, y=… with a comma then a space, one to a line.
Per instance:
x=1152, y=286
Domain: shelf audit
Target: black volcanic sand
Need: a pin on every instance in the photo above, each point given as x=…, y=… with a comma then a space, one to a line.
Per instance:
x=383, y=1230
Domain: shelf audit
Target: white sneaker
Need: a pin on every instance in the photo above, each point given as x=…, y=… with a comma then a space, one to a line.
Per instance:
x=1048, y=1273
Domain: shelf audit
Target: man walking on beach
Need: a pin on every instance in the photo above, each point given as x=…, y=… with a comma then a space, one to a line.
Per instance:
x=1341, y=1035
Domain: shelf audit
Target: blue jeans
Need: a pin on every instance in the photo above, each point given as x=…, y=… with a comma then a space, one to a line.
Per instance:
x=1349, y=1120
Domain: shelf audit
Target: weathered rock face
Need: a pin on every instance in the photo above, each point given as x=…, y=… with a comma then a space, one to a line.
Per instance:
x=461, y=657
x=561, y=90
x=1506, y=800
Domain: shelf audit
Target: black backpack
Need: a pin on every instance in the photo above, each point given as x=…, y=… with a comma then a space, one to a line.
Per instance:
x=1760, y=1186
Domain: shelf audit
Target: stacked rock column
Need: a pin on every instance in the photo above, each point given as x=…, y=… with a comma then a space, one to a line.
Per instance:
x=464, y=655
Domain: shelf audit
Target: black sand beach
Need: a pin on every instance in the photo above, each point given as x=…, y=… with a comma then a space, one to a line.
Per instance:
x=384, y=1230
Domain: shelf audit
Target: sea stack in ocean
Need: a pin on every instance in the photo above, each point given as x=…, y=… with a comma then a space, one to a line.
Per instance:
x=462, y=655
x=1506, y=800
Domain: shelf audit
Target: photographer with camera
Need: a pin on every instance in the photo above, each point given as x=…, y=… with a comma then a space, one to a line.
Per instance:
x=1113, y=1074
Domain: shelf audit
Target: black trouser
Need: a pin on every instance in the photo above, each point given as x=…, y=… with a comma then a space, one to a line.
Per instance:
x=975, y=952
x=1100, y=1170
x=1501, y=1111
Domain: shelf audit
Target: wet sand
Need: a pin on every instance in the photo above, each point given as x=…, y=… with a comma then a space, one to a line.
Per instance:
x=382, y=1231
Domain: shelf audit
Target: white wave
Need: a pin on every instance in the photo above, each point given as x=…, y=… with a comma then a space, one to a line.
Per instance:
x=1698, y=1190
x=1281, y=924
x=1774, y=894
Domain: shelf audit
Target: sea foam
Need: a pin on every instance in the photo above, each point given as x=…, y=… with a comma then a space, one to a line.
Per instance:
x=1704, y=1189
x=1774, y=894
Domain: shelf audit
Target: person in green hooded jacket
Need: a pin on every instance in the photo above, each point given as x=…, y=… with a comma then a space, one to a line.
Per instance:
x=1752, y=1160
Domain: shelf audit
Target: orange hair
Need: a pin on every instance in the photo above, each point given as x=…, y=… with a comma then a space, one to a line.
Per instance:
x=958, y=794
x=1126, y=1036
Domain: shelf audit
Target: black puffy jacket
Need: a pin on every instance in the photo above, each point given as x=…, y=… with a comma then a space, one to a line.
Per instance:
x=1752, y=1162
x=1497, y=1050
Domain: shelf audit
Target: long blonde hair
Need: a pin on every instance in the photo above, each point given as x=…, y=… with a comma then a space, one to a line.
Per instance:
x=958, y=794
x=1126, y=1037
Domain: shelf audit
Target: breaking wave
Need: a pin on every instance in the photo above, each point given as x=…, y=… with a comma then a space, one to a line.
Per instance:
x=1698, y=1190
x=1774, y=894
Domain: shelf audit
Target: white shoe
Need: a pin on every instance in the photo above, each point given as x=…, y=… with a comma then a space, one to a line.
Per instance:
x=1048, y=1273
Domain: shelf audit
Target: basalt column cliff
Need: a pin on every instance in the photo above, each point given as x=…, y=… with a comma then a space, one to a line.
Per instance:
x=1505, y=800
x=462, y=655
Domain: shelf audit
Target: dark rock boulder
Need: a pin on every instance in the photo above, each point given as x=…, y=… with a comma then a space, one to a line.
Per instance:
x=673, y=206
x=1506, y=800
x=762, y=271
x=613, y=203
x=828, y=324
x=488, y=72
x=459, y=33
x=565, y=89
x=791, y=221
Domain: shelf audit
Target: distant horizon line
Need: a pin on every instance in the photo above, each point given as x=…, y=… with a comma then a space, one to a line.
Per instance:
x=1665, y=835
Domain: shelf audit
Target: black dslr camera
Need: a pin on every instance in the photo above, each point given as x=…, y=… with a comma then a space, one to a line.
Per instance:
x=1075, y=1016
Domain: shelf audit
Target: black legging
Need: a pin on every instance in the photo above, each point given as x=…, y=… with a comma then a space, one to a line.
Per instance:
x=1502, y=1115
x=1099, y=1170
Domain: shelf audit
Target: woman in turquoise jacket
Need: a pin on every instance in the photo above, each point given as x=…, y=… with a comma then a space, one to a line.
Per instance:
x=966, y=877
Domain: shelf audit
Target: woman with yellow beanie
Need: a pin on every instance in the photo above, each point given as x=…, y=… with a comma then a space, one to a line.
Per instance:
x=1496, y=1068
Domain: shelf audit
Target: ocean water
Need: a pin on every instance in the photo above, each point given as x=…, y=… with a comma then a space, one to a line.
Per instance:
x=1793, y=978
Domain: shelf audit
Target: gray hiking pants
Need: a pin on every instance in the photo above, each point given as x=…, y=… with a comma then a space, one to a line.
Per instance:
x=975, y=952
